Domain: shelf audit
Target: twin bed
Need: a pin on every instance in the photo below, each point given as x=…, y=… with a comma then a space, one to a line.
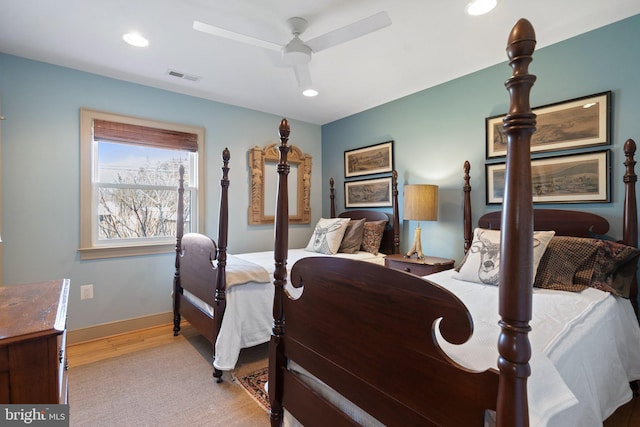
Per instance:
x=383, y=347
x=229, y=298
x=375, y=346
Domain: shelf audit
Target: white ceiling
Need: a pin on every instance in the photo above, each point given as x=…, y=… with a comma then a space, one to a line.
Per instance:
x=428, y=43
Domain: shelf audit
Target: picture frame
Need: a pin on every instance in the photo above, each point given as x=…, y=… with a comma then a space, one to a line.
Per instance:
x=576, y=123
x=373, y=159
x=572, y=178
x=368, y=193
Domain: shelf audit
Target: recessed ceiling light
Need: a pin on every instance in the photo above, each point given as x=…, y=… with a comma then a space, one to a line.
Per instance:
x=310, y=92
x=480, y=7
x=135, y=39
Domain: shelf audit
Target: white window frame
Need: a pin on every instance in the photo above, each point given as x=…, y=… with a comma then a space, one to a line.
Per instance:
x=90, y=248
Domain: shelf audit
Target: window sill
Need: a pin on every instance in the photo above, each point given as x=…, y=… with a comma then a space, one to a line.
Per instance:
x=125, y=251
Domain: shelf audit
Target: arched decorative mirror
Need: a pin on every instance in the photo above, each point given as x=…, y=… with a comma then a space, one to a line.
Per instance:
x=263, y=164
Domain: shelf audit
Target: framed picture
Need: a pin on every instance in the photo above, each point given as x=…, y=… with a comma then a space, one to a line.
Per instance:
x=368, y=193
x=577, y=178
x=580, y=122
x=369, y=160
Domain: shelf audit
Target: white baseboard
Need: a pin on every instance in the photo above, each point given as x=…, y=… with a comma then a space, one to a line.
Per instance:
x=116, y=328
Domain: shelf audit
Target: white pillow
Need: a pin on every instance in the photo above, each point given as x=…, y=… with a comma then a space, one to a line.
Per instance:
x=482, y=263
x=327, y=235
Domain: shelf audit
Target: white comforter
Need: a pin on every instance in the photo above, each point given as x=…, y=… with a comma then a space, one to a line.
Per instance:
x=248, y=317
x=585, y=350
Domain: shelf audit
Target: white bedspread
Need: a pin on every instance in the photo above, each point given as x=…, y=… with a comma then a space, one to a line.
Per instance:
x=248, y=317
x=584, y=350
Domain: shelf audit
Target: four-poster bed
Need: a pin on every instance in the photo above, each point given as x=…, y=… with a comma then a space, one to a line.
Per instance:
x=388, y=344
x=228, y=297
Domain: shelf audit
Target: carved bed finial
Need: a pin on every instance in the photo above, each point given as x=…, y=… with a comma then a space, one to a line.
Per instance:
x=284, y=130
x=629, y=163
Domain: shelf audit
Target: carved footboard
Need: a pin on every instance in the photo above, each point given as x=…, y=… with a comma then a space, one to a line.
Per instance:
x=368, y=332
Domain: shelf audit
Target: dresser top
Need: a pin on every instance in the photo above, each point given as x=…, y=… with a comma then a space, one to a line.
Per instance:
x=33, y=310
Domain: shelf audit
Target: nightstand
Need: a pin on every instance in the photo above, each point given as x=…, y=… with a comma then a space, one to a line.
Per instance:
x=419, y=267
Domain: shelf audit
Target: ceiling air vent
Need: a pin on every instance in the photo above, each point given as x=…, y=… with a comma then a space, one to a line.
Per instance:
x=184, y=76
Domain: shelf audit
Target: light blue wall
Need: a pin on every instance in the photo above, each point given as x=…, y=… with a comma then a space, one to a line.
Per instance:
x=41, y=183
x=437, y=129
x=434, y=132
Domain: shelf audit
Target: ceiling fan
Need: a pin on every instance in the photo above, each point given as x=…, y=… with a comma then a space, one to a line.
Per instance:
x=297, y=53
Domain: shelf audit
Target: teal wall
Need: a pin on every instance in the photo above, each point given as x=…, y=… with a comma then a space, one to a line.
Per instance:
x=41, y=183
x=436, y=130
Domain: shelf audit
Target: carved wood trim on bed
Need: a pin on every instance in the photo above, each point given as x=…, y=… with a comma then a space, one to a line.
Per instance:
x=202, y=252
x=276, y=350
x=391, y=237
x=414, y=375
x=466, y=189
x=515, y=295
x=630, y=214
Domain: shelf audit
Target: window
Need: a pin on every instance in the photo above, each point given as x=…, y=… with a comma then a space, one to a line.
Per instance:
x=129, y=177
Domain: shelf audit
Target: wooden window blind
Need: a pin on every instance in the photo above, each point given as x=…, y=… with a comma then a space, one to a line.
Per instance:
x=105, y=130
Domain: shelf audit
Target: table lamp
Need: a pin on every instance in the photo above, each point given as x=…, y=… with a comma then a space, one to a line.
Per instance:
x=420, y=204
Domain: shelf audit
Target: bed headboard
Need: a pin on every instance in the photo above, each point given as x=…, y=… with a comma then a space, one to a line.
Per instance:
x=571, y=222
x=563, y=222
x=391, y=237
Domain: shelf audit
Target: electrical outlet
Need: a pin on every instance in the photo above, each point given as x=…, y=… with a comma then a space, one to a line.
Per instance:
x=86, y=292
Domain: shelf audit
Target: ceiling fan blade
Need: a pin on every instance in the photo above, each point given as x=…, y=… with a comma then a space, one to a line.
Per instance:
x=350, y=32
x=231, y=35
x=303, y=76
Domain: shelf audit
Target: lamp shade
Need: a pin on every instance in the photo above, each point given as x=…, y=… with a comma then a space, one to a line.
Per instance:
x=421, y=202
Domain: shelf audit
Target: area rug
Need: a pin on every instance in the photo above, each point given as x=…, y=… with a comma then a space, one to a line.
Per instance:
x=166, y=386
x=254, y=384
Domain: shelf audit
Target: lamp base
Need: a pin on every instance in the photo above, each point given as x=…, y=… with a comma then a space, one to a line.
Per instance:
x=417, y=245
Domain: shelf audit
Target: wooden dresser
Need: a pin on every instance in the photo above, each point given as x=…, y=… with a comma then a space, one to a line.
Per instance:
x=33, y=365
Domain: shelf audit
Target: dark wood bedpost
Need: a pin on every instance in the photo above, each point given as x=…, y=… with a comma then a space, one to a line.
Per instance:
x=179, y=233
x=396, y=215
x=516, y=251
x=630, y=217
x=221, y=255
x=332, y=197
x=468, y=230
x=277, y=361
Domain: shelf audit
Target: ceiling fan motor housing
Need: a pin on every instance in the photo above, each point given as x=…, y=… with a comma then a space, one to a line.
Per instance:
x=296, y=52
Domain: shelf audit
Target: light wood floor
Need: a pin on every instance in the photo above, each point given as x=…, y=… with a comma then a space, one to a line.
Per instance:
x=93, y=351
x=117, y=345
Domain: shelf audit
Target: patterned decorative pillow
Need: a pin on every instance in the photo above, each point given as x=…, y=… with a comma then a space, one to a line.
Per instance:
x=573, y=264
x=482, y=263
x=352, y=239
x=327, y=235
x=372, y=238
